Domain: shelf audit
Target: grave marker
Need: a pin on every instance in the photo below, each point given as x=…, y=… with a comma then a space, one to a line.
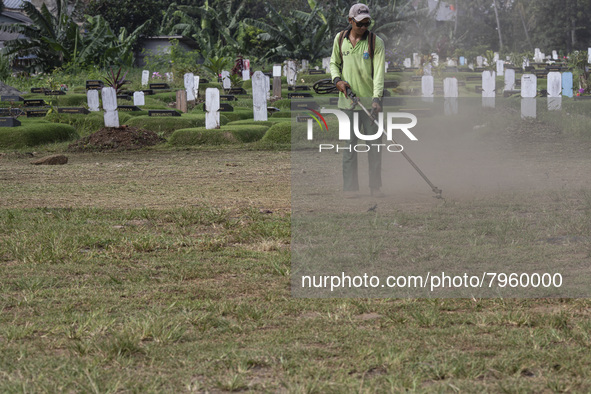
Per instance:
x=74, y=110
x=427, y=88
x=212, y=106
x=529, y=86
x=462, y=61
x=326, y=64
x=110, y=106
x=259, y=96
x=479, y=61
x=181, y=100
x=9, y=122
x=450, y=88
x=554, y=55
x=292, y=74
x=416, y=60
x=509, y=79
x=554, y=84
x=268, y=86
x=589, y=55
x=145, y=77
x=435, y=59
x=92, y=99
x=500, y=68
x=488, y=89
x=226, y=84
x=139, y=98
x=34, y=103
x=277, y=80
x=567, y=84
x=169, y=77
x=189, y=80
x=245, y=75
x=163, y=112
x=36, y=113
x=488, y=84
x=159, y=86
x=407, y=63
x=128, y=108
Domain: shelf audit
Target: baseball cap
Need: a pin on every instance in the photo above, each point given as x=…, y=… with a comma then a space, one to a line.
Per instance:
x=359, y=12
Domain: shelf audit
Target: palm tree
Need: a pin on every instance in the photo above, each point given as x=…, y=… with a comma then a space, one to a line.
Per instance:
x=51, y=38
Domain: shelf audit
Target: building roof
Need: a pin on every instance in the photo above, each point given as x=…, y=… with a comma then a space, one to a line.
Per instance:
x=17, y=16
x=15, y=4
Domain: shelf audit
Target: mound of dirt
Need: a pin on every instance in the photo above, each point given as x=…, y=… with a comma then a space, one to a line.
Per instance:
x=116, y=139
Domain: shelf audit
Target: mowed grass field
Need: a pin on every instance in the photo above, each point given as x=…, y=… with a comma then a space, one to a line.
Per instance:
x=169, y=271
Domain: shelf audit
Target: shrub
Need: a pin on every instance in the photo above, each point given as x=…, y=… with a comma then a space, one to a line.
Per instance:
x=170, y=124
x=252, y=122
x=225, y=135
x=35, y=133
x=85, y=124
x=279, y=133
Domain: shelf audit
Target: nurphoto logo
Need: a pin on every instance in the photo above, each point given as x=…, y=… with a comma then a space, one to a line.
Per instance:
x=392, y=123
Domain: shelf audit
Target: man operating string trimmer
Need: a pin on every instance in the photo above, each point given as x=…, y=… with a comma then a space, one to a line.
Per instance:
x=357, y=69
x=357, y=62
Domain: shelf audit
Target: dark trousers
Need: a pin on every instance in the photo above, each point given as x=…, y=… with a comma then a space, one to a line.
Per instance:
x=350, y=170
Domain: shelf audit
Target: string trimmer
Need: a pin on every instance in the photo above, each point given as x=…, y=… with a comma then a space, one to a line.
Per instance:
x=356, y=102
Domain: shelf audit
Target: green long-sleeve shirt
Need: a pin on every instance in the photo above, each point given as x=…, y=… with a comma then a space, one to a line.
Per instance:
x=356, y=69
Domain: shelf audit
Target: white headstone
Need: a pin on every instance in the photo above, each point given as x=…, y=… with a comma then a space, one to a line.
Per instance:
x=190, y=86
x=416, y=60
x=385, y=66
x=245, y=75
x=496, y=57
x=538, y=58
x=246, y=64
x=212, y=106
x=92, y=98
x=259, y=95
x=500, y=68
x=555, y=55
x=407, y=63
x=169, y=77
x=589, y=55
x=488, y=89
x=139, y=99
x=529, y=86
x=555, y=103
x=284, y=70
x=450, y=87
x=268, y=86
x=451, y=62
x=145, y=77
x=435, y=60
x=427, y=86
x=509, y=79
x=488, y=84
x=326, y=64
x=196, y=86
x=479, y=61
x=110, y=106
x=554, y=84
x=276, y=71
x=525, y=62
x=462, y=61
x=292, y=73
x=305, y=65
x=567, y=84
x=226, y=84
x=528, y=108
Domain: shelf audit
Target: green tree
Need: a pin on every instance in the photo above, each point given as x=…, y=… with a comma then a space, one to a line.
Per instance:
x=52, y=38
x=129, y=14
